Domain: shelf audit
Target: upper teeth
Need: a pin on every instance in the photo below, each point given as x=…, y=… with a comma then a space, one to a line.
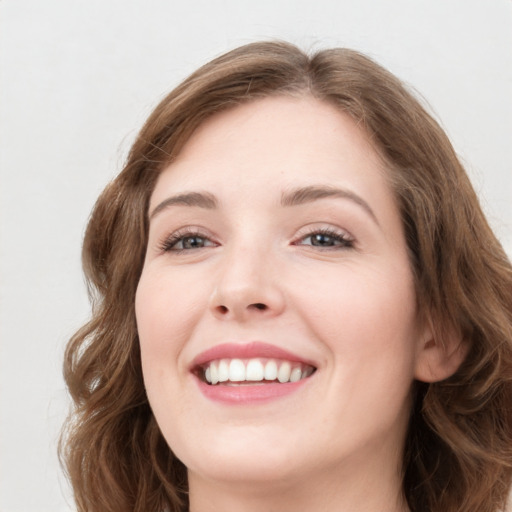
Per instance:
x=255, y=370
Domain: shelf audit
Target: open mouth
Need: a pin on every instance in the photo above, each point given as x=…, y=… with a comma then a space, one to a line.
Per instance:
x=253, y=371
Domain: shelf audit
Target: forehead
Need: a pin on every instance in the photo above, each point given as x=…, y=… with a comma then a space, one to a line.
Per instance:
x=275, y=143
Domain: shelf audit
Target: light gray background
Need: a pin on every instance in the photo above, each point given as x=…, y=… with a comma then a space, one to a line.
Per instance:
x=78, y=79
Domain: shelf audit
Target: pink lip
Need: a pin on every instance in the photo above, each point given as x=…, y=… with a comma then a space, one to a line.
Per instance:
x=246, y=394
x=246, y=351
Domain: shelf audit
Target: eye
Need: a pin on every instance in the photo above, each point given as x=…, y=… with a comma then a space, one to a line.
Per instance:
x=185, y=240
x=327, y=239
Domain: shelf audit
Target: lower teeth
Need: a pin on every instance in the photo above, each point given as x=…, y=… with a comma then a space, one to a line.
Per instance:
x=245, y=383
x=249, y=383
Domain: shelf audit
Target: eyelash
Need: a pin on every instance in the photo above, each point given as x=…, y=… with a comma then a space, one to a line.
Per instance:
x=169, y=244
x=343, y=239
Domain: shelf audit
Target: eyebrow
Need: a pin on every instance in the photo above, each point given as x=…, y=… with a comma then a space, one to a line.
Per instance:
x=197, y=199
x=292, y=198
x=313, y=193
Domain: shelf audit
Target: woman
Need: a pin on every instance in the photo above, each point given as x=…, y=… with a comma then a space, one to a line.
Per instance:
x=298, y=304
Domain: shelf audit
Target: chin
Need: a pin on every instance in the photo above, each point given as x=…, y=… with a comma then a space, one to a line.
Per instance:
x=262, y=458
x=243, y=471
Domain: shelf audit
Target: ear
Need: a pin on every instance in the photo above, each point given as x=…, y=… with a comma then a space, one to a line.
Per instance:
x=439, y=357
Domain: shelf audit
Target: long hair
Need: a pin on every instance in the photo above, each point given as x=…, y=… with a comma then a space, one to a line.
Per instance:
x=458, y=450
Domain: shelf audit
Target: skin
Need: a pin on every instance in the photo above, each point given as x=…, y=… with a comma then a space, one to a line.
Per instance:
x=349, y=307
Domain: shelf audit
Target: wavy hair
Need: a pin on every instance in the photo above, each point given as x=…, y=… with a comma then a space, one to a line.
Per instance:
x=458, y=450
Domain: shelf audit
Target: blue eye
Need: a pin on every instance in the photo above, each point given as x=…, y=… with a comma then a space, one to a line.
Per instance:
x=190, y=242
x=185, y=241
x=327, y=239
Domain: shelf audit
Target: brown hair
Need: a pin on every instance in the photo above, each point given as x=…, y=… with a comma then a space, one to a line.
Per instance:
x=458, y=451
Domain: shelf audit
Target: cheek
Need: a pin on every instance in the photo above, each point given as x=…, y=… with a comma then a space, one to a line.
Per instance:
x=167, y=310
x=366, y=317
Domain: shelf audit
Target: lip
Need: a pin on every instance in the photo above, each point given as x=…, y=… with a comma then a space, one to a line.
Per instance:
x=247, y=351
x=247, y=394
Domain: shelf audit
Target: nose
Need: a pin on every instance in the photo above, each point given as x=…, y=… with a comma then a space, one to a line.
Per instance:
x=247, y=288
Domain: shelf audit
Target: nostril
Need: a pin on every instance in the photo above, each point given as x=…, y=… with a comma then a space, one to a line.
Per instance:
x=225, y=310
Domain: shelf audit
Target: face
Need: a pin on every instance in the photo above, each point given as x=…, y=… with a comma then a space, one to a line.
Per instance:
x=276, y=308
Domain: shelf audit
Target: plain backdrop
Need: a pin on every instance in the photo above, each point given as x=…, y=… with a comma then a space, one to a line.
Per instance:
x=77, y=80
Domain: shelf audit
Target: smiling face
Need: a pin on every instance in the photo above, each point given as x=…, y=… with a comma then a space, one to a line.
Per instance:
x=276, y=308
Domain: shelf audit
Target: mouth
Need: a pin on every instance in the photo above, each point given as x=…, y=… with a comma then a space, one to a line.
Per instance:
x=252, y=371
